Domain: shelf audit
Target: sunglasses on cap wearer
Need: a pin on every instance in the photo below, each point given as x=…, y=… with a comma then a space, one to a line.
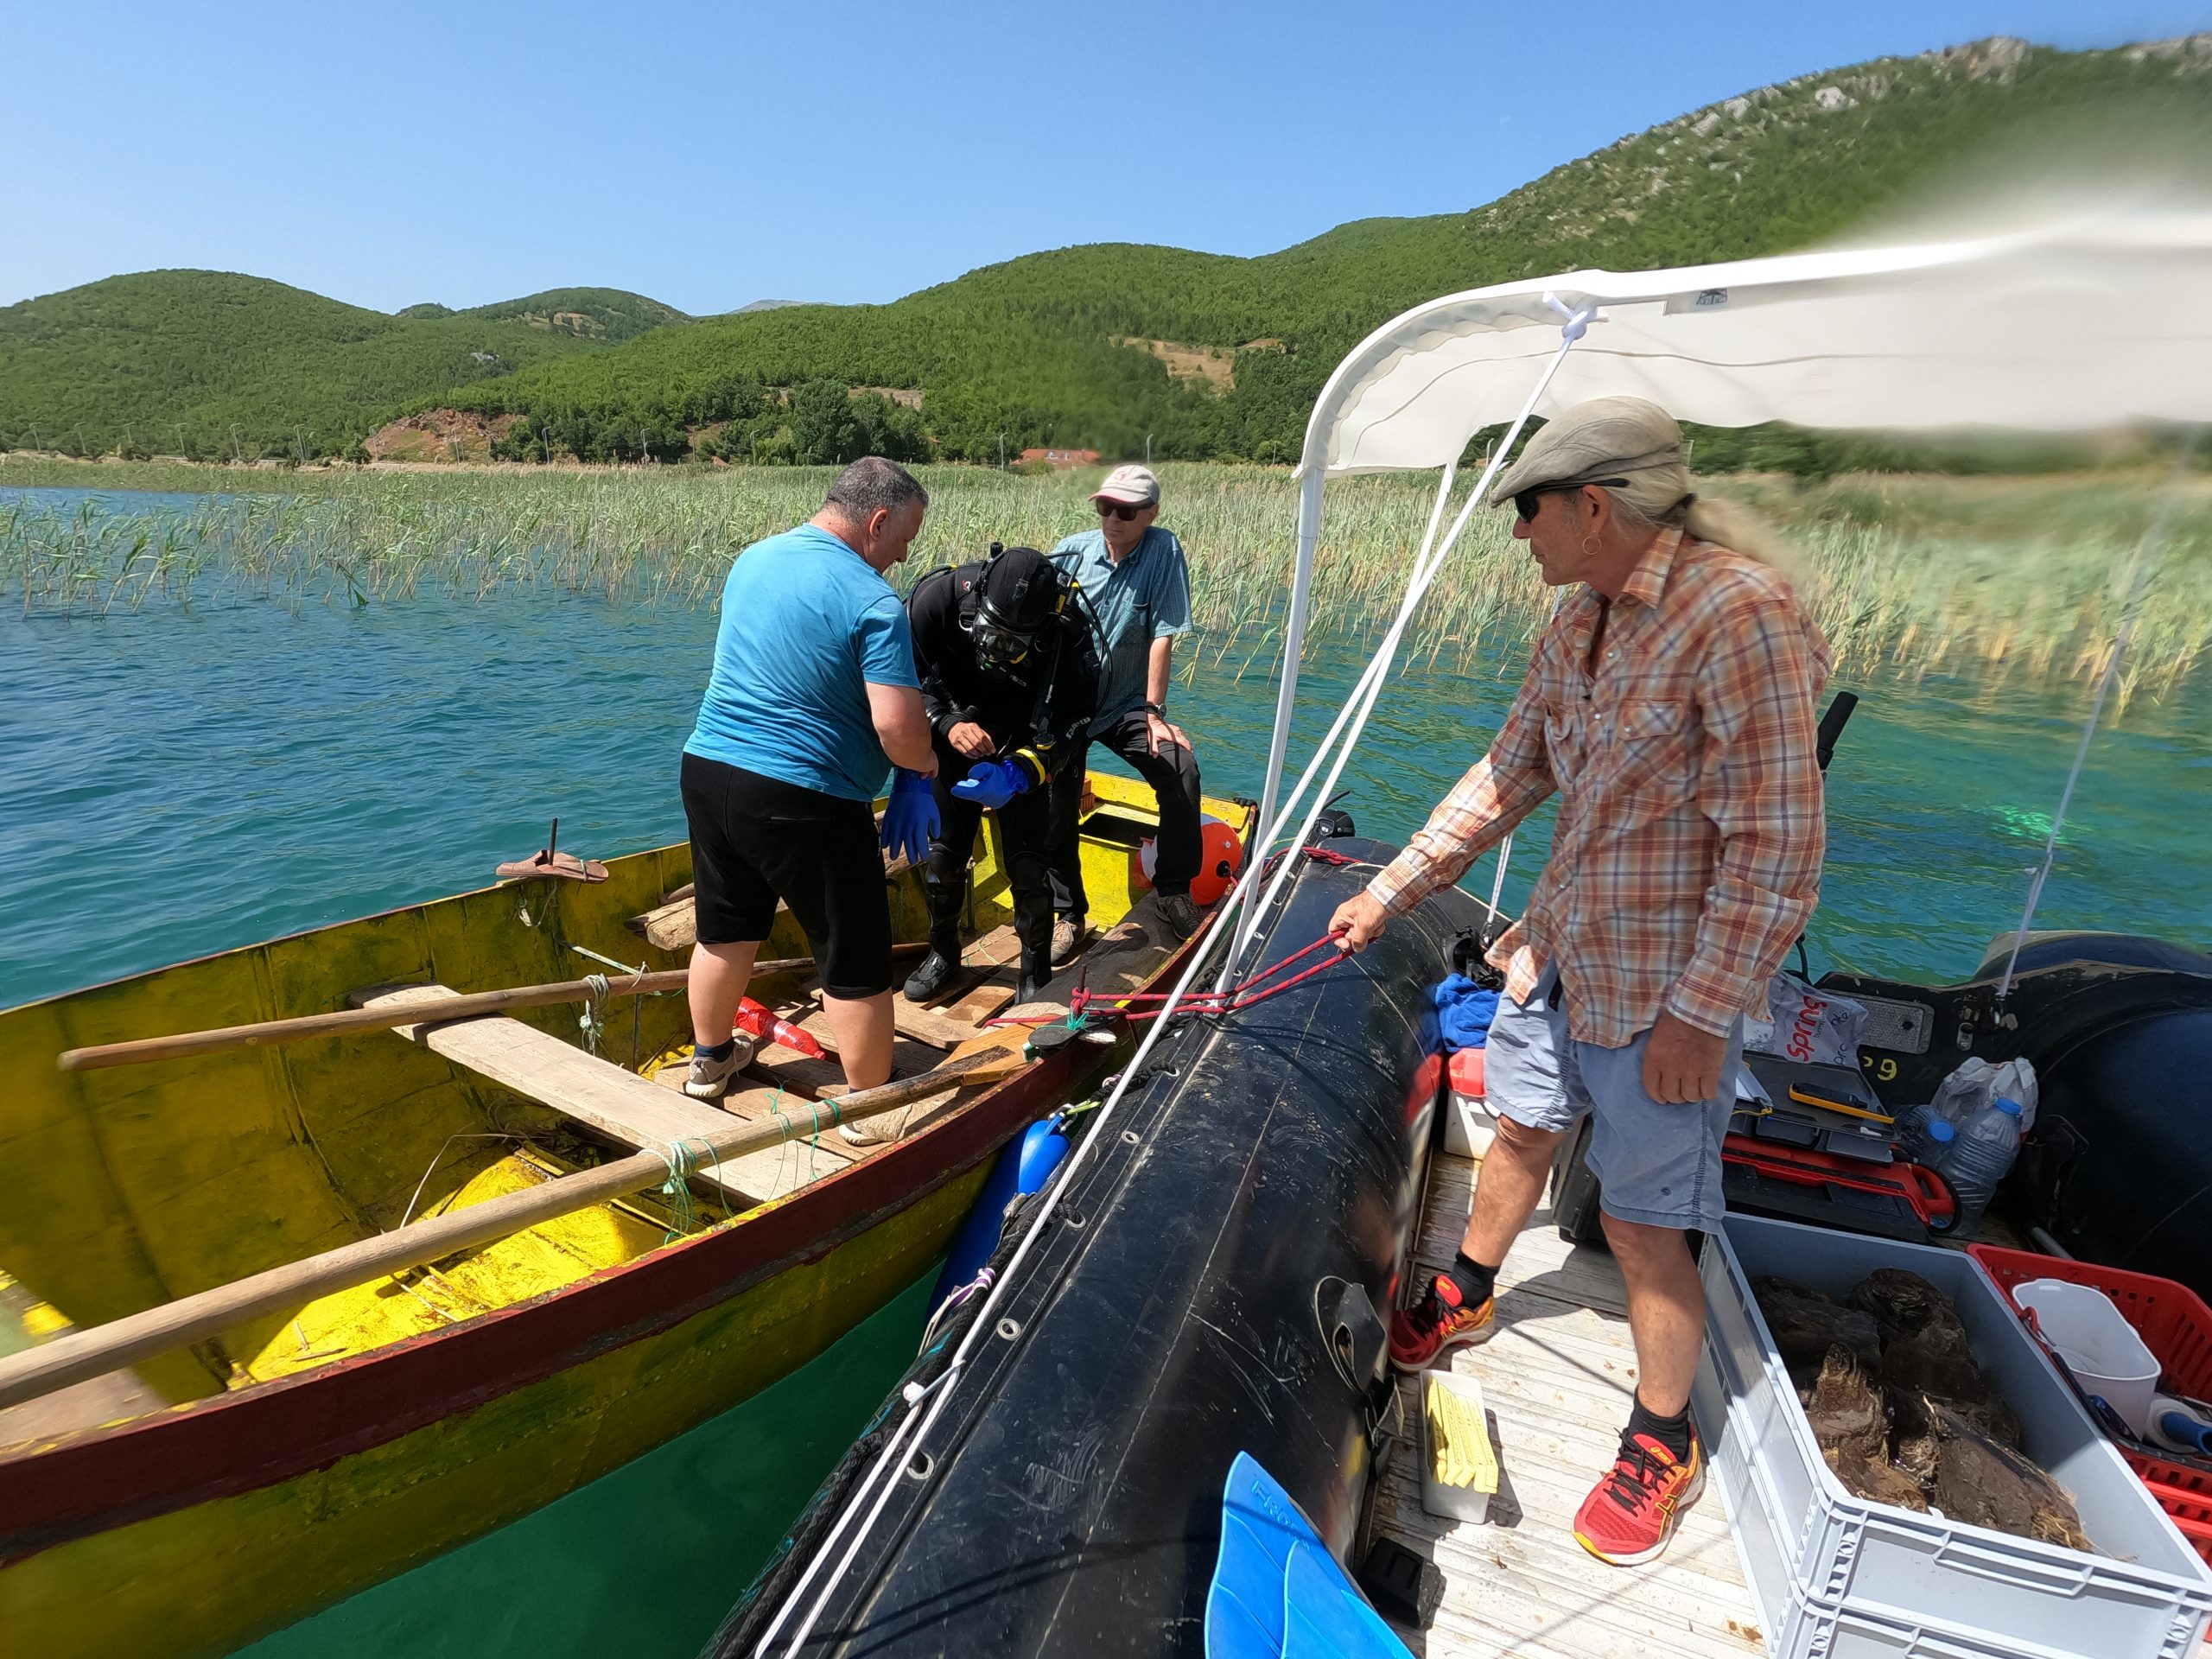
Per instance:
x=1525, y=501
x=1123, y=511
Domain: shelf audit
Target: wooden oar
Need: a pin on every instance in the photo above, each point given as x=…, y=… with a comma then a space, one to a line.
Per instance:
x=104, y=1348
x=140, y=1050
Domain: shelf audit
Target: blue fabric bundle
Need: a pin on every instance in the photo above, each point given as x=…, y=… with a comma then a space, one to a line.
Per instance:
x=1464, y=1011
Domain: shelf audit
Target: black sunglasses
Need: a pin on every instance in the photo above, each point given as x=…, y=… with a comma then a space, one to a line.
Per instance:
x=1121, y=510
x=1525, y=501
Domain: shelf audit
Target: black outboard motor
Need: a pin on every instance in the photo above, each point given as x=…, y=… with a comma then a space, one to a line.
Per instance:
x=2119, y=1167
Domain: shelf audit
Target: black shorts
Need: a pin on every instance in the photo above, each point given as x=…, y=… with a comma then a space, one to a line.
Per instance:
x=755, y=839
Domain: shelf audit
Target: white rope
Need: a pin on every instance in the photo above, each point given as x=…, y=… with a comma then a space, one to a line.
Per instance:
x=2147, y=562
x=1350, y=722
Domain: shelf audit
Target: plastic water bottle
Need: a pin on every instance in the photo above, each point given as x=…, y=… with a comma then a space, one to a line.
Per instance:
x=1980, y=1157
x=1923, y=1137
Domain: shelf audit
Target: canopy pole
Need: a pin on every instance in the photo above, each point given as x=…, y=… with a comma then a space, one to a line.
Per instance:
x=2147, y=563
x=1247, y=914
x=1293, y=652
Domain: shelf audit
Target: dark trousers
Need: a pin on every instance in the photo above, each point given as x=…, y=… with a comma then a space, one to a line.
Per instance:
x=1024, y=824
x=1173, y=775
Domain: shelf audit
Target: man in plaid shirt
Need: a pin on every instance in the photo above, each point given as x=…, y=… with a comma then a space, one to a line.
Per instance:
x=1670, y=704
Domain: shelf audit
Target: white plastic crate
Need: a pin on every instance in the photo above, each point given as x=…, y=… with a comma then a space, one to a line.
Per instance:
x=1835, y=1575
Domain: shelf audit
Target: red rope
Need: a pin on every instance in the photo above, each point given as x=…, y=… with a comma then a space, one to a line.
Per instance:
x=1249, y=993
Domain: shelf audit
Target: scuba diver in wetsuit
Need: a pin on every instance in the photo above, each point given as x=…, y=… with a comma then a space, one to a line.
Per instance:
x=1009, y=674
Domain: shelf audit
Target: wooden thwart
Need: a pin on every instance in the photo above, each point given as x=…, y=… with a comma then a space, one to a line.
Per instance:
x=543, y=1068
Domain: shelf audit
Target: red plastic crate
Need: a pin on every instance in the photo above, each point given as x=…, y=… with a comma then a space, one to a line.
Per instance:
x=2176, y=1326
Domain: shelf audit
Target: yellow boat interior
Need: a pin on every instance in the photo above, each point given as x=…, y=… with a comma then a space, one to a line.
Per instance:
x=138, y=1185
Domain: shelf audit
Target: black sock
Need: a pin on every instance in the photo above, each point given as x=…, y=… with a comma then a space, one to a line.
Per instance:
x=721, y=1050
x=1475, y=1280
x=1673, y=1433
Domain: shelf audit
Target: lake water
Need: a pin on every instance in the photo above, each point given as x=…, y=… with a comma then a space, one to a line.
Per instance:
x=181, y=781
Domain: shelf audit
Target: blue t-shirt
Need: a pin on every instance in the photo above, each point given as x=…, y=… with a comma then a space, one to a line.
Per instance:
x=806, y=626
x=1145, y=597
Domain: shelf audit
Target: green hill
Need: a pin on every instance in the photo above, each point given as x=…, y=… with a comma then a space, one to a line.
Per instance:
x=1110, y=346
x=1229, y=353
x=239, y=364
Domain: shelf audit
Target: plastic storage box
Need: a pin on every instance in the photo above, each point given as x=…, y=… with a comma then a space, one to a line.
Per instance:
x=2176, y=1326
x=1839, y=1577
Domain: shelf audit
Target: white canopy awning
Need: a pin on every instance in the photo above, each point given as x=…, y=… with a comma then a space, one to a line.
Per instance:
x=2092, y=322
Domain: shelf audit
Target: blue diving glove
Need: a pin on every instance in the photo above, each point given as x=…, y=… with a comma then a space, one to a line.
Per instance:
x=993, y=783
x=911, y=818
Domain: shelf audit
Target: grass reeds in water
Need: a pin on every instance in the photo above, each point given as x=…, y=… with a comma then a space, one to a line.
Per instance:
x=2004, y=579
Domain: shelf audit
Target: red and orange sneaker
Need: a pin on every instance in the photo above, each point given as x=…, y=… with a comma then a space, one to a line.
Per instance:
x=1633, y=1511
x=1440, y=1322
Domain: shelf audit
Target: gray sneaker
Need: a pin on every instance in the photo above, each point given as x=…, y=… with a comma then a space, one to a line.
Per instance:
x=710, y=1079
x=1182, y=917
x=1068, y=933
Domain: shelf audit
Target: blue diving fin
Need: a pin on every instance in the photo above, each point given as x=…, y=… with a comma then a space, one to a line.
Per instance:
x=1277, y=1592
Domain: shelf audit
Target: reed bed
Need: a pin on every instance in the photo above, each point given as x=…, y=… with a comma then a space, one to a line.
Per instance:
x=2017, y=581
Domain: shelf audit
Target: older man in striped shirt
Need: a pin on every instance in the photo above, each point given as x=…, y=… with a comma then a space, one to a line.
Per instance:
x=1670, y=706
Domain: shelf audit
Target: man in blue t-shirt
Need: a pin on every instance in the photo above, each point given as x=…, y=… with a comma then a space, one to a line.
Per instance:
x=812, y=699
x=1132, y=575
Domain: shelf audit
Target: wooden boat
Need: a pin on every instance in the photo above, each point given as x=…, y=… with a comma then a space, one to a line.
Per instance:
x=223, y=1490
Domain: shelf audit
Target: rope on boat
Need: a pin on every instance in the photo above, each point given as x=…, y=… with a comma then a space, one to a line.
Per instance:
x=1247, y=992
x=595, y=989
x=1223, y=936
x=683, y=1164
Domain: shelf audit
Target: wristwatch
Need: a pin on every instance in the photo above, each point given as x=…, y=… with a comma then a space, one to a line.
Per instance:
x=1156, y=709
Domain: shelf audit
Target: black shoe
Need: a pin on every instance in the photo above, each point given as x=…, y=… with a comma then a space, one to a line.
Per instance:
x=1183, y=918
x=931, y=975
x=1036, y=975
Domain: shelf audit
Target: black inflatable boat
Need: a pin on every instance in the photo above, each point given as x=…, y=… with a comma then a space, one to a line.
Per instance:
x=1215, y=1281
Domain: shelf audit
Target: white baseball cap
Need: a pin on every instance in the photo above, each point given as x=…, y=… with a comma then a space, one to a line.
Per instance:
x=1134, y=485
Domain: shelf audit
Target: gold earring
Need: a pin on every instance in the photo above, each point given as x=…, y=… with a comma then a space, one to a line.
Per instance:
x=1589, y=549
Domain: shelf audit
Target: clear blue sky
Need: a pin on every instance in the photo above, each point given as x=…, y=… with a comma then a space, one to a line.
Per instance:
x=709, y=155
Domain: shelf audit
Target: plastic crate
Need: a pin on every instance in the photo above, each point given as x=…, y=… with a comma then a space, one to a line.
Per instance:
x=2171, y=1319
x=2176, y=1325
x=1818, y=1560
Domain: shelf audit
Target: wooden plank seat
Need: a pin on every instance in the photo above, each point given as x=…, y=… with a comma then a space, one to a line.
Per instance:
x=597, y=1093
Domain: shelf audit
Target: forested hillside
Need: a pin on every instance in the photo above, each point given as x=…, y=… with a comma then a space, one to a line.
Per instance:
x=1228, y=353
x=217, y=365
x=1113, y=346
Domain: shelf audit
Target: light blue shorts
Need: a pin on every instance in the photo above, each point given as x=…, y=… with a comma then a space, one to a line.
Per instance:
x=1656, y=1163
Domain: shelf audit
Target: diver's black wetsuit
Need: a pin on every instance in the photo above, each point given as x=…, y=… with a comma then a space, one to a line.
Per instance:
x=1041, y=704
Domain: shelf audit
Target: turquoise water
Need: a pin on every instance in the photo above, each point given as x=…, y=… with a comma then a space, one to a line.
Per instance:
x=644, y=1562
x=181, y=781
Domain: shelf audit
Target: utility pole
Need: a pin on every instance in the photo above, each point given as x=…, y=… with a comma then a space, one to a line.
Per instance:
x=1148, y=449
x=236, y=454
x=1001, y=452
x=179, y=440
